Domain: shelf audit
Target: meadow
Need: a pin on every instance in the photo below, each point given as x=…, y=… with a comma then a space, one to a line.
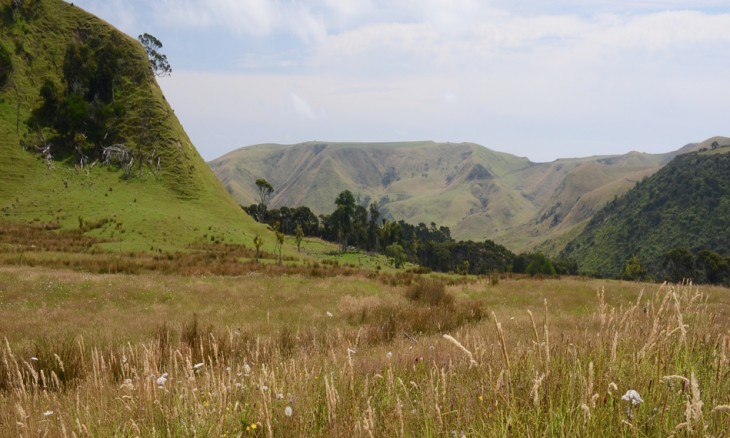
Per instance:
x=339, y=351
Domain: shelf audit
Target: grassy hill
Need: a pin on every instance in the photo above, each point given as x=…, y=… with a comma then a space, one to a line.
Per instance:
x=71, y=87
x=684, y=205
x=478, y=193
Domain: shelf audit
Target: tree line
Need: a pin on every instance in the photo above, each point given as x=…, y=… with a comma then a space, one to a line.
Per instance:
x=680, y=264
x=356, y=227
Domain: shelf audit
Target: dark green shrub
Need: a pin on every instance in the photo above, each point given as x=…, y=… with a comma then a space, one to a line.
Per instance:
x=540, y=265
x=6, y=65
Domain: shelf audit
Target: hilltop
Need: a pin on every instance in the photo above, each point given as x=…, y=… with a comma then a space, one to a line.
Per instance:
x=477, y=192
x=88, y=141
x=685, y=205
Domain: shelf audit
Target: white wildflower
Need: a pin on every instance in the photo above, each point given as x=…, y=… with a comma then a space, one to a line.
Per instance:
x=329, y=314
x=288, y=411
x=246, y=369
x=633, y=397
x=48, y=413
x=389, y=355
x=162, y=379
x=279, y=396
x=127, y=384
x=264, y=388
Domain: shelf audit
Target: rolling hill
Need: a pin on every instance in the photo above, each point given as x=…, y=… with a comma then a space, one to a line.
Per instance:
x=478, y=193
x=88, y=141
x=684, y=205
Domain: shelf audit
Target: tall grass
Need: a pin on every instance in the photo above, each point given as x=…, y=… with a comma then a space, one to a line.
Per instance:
x=521, y=377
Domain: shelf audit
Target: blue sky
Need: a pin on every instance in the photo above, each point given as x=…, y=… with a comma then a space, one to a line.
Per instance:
x=538, y=78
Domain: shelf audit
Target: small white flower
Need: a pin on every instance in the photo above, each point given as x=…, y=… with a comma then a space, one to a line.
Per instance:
x=127, y=384
x=279, y=396
x=288, y=411
x=48, y=413
x=264, y=388
x=246, y=369
x=162, y=379
x=633, y=397
x=329, y=314
x=389, y=355
x=238, y=384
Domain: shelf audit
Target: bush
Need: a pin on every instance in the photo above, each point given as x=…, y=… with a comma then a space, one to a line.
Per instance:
x=429, y=292
x=540, y=265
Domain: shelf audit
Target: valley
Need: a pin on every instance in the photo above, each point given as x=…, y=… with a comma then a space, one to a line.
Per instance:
x=441, y=289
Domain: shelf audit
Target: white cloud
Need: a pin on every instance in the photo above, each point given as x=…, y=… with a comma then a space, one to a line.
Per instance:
x=302, y=107
x=250, y=17
x=504, y=73
x=120, y=13
x=449, y=97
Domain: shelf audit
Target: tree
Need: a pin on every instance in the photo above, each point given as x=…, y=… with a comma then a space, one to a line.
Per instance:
x=265, y=191
x=679, y=264
x=298, y=236
x=374, y=215
x=158, y=61
x=279, y=243
x=712, y=266
x=540, y=265
x=633, y=271
x=396, y=255
x=258, y=243
x=303, y=217
x=343, y=216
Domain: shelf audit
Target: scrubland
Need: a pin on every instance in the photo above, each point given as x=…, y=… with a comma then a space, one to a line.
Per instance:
x=358, y=354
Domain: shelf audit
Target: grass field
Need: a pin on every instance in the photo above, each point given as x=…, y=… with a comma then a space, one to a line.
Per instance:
x=344, y=352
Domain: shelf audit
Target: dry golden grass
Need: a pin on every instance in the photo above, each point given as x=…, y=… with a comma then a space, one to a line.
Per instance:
x=84, y=353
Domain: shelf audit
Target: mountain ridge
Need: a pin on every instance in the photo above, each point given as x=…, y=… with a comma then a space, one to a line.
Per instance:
x=478, y=192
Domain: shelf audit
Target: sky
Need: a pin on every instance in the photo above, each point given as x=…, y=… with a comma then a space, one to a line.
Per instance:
x=544, y=79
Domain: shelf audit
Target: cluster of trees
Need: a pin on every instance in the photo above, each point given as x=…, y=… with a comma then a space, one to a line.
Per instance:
x=354, y=226
x=680, y=264
x=84, y=111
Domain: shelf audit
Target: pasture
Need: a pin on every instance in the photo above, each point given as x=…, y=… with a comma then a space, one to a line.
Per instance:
x=358, y=353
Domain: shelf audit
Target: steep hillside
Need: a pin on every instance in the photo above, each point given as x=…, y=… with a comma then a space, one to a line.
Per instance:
x=478, y=193
x=684, y=205
x=88, y=141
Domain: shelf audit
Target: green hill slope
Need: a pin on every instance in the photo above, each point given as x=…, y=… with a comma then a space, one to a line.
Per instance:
x=75, y=87
x=684, y=205
x=478, y=193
